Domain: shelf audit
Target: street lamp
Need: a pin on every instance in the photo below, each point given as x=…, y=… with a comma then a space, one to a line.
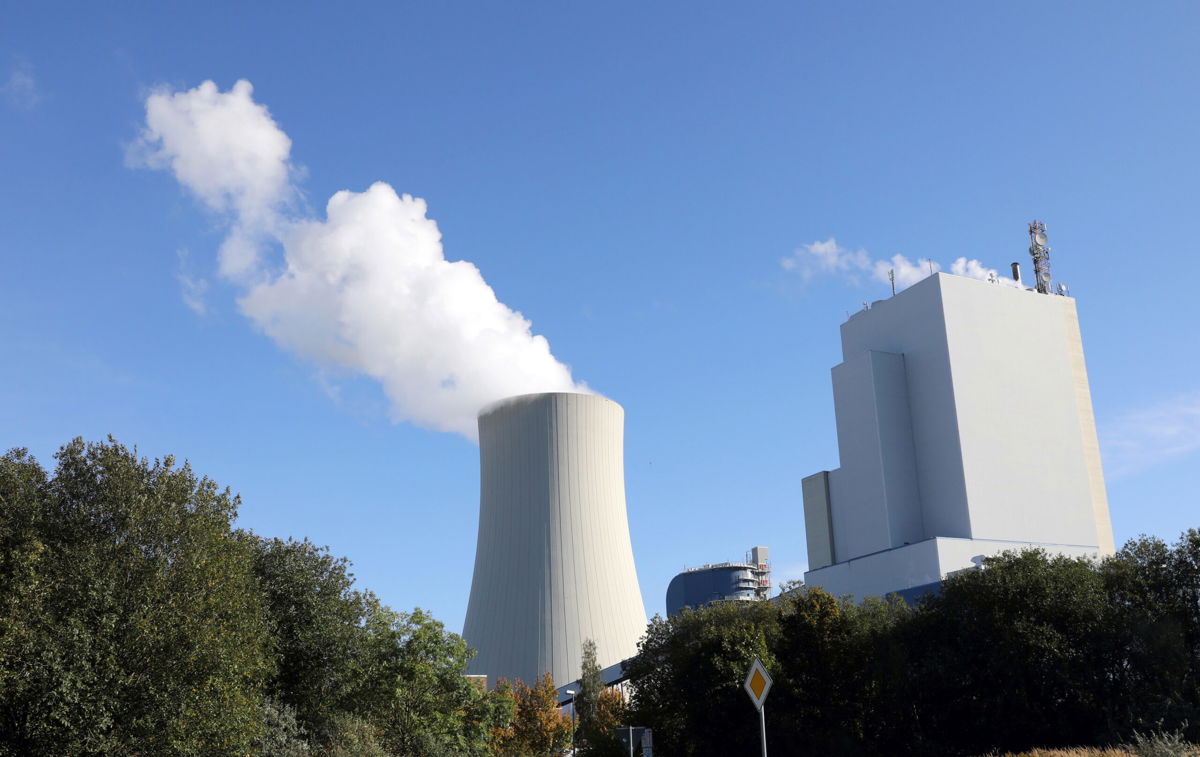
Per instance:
x=572, y=692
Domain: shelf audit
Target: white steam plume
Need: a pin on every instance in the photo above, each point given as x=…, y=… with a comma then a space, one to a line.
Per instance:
x=367, y=289
x=829, y=257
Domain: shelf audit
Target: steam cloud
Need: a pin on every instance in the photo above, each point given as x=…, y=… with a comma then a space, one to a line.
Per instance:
x=367, y=289
x=829, y=257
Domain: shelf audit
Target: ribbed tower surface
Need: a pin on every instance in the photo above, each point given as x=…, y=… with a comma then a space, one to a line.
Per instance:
x=553, y=565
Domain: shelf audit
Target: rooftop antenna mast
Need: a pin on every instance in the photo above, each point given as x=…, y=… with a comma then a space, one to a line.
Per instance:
x=1041, y=256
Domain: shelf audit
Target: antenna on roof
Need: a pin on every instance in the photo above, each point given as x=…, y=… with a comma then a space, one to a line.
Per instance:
x=1041, y=256
x=892, y=278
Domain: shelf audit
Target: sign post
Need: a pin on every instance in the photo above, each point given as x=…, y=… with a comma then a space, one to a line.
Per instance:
x=757, y=685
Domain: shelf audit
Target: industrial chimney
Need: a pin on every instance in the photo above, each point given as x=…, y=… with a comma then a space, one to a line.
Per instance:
x=553, y=563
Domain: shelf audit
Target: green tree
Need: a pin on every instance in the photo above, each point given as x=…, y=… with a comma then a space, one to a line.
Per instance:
x=1009, y=656
x=318, y=635
x=688, y=672
x=360, y=676
x=591, y=685
x=416, y=690
x=612, y=712
x=598, y=710
x=1030, y=651
x=1153, y=655
x=834, y=666
x=134, y=619
x=131, y=619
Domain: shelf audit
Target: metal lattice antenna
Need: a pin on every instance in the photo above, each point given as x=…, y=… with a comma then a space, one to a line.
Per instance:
x=1041, y=256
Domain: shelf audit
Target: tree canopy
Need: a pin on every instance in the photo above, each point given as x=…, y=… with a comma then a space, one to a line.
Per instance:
x=136, y=619
x=1032, y=650
x=600, y=710
x=131, y=618
x=538, y=728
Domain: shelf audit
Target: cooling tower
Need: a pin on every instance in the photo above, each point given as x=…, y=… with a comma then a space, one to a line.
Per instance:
x=553, y=564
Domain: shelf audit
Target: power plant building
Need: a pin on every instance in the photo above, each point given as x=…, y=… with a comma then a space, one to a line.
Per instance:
x=553, y=563
x=724, y=582
x=965, y=428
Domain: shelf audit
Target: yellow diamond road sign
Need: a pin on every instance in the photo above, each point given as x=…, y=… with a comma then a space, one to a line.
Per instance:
x=758, y=683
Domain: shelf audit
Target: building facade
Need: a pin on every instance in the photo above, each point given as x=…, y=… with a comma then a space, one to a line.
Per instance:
x=965, y=428
x=553, y=562
x=723, y=582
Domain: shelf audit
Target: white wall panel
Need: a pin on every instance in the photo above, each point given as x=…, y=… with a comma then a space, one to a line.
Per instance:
x=963, y=415
x=553, y=564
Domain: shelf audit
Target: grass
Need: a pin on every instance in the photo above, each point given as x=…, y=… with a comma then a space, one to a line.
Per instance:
x=1078, y=752
x=1144, y=745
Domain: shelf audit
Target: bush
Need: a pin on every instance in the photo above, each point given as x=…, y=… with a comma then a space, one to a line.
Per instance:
x=1031, y=651
x=1162, y=744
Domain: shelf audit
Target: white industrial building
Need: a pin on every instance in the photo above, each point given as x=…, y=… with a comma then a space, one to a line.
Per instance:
x=965, y=429
x=553, y=564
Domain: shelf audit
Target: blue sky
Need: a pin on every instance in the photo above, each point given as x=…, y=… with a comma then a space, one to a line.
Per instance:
x=630, y=178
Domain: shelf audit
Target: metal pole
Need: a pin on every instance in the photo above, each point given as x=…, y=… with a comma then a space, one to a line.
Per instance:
x=630, y=741
x=762, y=722
x=572, y=692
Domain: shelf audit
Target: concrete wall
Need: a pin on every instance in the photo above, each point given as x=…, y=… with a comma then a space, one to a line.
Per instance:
x=912, y=324
x=1015, y=387
x=963, y=412
x=818, y=524
x=553, y=563
x=1087, y=430
x=875, y=491
x=919, y=564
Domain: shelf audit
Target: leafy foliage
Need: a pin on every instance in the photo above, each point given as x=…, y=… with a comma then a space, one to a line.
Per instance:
x=317, y=629
x=282, y=736
x=1009, y=655
x=1154, y=655
x=131, y=620
x=587, y=701
x=599, y=709
x=134, y=619
x=688, y=673
x=538, y=727
x=612, y=713
x=419, y=695
x=1032, y=650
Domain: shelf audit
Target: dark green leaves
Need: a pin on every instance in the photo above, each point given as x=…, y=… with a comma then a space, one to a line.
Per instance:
x=135, y=620
x=1032, y=650
x=132, y=621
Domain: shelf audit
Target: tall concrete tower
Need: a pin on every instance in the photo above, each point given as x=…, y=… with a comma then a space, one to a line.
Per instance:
x=965, y=428
x=553, y=564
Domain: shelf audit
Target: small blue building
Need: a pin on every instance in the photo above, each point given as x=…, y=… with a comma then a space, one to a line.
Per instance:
x=724, y=582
